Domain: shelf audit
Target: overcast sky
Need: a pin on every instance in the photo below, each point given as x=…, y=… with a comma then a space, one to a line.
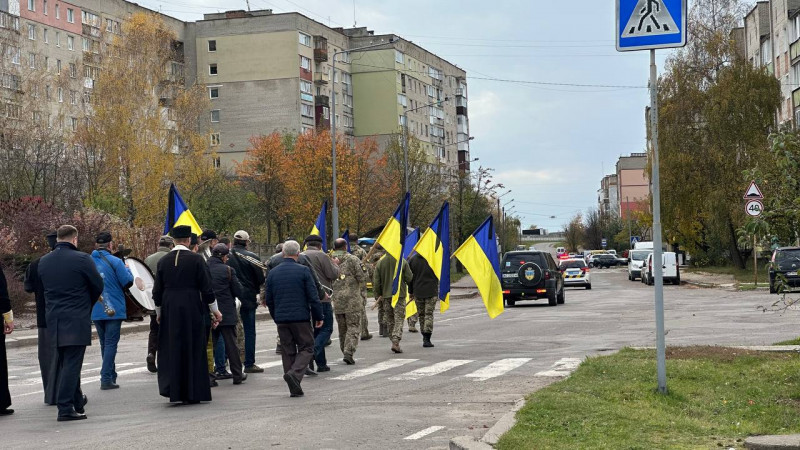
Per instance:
x=550, y=144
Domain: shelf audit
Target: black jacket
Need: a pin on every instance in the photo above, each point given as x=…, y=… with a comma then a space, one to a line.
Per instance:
x=226, y=289
x=291, y=295
x=250, y=276
x=71, y=286
x=5, y=300
x=33, y=284
x=424, y=284
x=278, y=258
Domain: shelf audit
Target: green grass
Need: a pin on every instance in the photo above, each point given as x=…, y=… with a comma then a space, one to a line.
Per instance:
x=717, y=397
x=795, y=341
x=740, y=275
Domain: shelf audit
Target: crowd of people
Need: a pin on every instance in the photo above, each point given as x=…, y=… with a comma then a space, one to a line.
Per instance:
x=206, y=292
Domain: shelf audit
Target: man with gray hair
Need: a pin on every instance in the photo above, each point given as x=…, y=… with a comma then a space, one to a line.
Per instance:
x=293, y=301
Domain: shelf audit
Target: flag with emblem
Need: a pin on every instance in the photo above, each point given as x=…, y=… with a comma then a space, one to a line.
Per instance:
x=434, y=247
x=178, y=213
x=319, y=228
x=479, y=256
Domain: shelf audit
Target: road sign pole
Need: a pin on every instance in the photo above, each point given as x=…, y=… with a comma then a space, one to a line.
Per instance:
x=661, y=363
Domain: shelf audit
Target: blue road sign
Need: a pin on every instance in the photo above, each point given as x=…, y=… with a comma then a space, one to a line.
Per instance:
x=635, y=239
x=604, y=242
x=650, y=24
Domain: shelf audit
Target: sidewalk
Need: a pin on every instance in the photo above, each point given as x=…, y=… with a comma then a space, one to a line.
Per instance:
x=719, y=281
x=463, y=288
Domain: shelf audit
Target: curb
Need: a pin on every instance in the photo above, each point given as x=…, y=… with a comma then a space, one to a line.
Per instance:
x=505, y=423
x=127, y=328
x=469, y=294
x=467, y=443
x=782, y=442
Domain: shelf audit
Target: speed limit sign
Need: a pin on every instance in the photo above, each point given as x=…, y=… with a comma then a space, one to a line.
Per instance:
x=754, y=208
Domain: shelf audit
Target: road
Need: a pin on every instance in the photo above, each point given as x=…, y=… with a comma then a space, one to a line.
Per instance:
x=419, y=399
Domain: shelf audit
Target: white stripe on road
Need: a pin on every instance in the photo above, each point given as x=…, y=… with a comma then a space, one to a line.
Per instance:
x=271, y=364
x=462, y=317
x=380, y=367
x=497, y=368
x=435, y=369
x=562, y=368
x=97, y=369
x=121, y=372
x=423, y=433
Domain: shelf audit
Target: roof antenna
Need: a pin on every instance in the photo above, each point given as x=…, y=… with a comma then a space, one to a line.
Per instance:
x=354, y=13
x=248, y=5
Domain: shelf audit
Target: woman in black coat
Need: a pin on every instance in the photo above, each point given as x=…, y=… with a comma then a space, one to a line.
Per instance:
x=226, y=290
x=8, y=327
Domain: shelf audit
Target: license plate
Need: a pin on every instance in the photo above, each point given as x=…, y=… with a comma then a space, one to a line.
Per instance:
x=509, y=275
x=791, y=274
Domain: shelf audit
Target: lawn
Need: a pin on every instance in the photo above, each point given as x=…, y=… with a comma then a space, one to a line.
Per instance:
x=740, y=275
x=717, y=397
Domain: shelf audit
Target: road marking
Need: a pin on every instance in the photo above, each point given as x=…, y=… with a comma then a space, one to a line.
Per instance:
x=497, y=368
x=271, y=364
x=562, y=368
x=121, y=372
x=380, y=367
x=97, y=369
x=462, y=317
x=423, y=433
x=435, y=369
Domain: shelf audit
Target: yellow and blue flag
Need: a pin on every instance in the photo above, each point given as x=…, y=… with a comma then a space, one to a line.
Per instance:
x=479, y=256
x=393, y=240
x=411, y=241
x=178, y=213
x=346, y=237
x=434, y=246
x=319, y=228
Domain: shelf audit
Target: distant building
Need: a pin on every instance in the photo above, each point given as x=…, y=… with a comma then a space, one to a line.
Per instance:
x=608, y=196
x=633, y=183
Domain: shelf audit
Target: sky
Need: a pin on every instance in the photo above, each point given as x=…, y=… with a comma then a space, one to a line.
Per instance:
x=550, y=144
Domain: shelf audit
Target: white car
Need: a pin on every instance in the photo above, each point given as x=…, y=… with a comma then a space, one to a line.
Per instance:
x=670, y=268
x=636, y=259
x=576, y=273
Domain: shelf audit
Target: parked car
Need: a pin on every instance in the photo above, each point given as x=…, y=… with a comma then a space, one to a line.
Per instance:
x=636, y=259
x=531, y=275
x=604, y=260
x=671, y=271
x=783, y=269
x=560, y=251
x=576, y=273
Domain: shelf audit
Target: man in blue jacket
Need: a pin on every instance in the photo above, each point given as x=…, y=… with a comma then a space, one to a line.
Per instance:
x=292, y=299
x=116, y=278
x=71, y=286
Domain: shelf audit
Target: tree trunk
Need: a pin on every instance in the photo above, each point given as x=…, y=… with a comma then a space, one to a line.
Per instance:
x=736, y=256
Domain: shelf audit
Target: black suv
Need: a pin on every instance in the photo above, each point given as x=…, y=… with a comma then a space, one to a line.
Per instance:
x=604, y=260
x=531, y=275
x=783, y=270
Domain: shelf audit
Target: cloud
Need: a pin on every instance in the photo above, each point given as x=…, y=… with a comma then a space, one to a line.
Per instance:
x=484, y=105
x=528, y=176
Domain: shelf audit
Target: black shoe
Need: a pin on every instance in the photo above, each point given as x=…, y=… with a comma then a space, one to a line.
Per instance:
x=108, y=386
x=253, y=369
x=82, y=409
x=71, y=416
x=310, y=373
x=366, y=337
x=294, y=386
x=225, y=375
x=151, y=363
x=6, y=412
x=323, y=369
x=278, y=350
x=328, y=343
x=244, y=377
x=349, y=360
x=212, y=375
x=213, y=383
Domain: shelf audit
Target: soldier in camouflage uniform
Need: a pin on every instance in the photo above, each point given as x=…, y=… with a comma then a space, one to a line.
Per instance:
x=348, y=299
x=359, y=253
x=377, y=254
x=382, y=286
x=424, y=289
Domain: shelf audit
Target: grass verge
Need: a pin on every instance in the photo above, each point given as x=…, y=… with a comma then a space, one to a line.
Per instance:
x=717, y=397
x=795, y=341
x=740, y=275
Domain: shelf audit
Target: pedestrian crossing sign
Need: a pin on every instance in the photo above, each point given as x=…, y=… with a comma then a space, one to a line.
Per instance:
x=650, y=24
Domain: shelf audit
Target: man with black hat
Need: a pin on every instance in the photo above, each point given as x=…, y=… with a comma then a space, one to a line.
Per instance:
x=48, y=357
x=226, y=289
x=250, y=271
x=165, y=244
x=207, y=242
x=109, y=314
x=182, y=293
x=327, y=270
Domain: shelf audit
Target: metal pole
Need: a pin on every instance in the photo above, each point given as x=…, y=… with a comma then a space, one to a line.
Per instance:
x=661, y=363
x=335, y=209
x=630, y=231
x=755, y=263
x=405, y=148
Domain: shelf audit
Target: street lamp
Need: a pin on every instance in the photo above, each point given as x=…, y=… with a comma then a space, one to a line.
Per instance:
x=405, y=134
x=335, y=209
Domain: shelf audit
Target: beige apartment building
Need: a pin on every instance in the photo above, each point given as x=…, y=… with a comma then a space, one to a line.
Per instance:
x=633, y=184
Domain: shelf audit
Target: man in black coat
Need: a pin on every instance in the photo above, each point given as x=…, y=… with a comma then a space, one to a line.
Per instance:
x=72, y=285
x=226, y=289
x=8, y=327
x=48, y=357
x=250, y=271
x=293, y=301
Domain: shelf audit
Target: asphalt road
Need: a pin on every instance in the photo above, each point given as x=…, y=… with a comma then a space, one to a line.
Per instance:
x=419, y=399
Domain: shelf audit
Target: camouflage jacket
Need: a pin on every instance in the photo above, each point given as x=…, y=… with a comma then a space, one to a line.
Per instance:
x=347, y=288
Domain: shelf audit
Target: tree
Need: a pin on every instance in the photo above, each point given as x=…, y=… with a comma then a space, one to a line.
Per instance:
x=574, y=233
x=427, y=178
x=261, y=172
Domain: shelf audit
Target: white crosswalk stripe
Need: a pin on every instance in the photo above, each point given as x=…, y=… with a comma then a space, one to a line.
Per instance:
x=375, y=368
x=562, y=368
x=497, y=368
x=435, y=369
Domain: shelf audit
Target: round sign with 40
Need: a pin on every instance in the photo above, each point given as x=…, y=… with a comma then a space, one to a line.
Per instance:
x=754, y=208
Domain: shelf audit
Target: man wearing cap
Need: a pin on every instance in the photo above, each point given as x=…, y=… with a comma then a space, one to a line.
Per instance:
x=116, y=278
x=250, y=271
x=226, y=289
x=165, y=244
x=47, y=353
x=182, y=293
x=327, y=270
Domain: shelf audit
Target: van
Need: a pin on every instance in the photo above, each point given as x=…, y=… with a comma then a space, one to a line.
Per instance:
x=560, y=251
x=643, y=245
x=672, y=273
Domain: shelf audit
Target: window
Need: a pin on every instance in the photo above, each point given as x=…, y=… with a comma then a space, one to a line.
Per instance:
x=45, y=7
x=15, y=54
x=217, y=162
x=32, y=32
x=398, y=56
x=60, y=95
x=73, y=97
x=305, y=63
x=70, y=15
x=58, y=39
x=401, y=99
x=73, y=70
x=213, y=92
x=32, y=60
x=109, y=25
x=212, y=45
x=305, y=86
x=73, y=123
x=70, y=43
x=44, y=36
x=346, y=58
x=214, y=139
x=31, y=5
x=58, y=12
x=766, y=53
x=347, y=100
x=306, y=110
x=58, y=65
x=48, y=93
x=215, y=115
x=402, y=121
x=305, y=39
x=86, y=46
x=212, y=69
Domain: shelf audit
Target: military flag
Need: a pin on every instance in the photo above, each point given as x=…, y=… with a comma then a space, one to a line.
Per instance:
x=178, y=213
x=319, y=228
x=479, y=256
x=434, y=246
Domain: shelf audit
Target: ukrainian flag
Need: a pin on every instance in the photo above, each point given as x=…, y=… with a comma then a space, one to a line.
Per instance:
x=346, y=237
x=479, y=255
x=178, y=213
x=411, y=242
x=393, y=240
x=434, y=246
x=319, y=228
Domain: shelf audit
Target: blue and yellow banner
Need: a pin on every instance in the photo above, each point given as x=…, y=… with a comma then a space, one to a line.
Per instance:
x=479, y=256
x=178, y=213
x=393, y=241
x=411, y=241
x=434, y=246
x=319, y=228
x=346, y=237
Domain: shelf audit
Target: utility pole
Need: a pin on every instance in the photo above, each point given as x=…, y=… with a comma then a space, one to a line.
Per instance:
x=630, y=231
x=661, y=363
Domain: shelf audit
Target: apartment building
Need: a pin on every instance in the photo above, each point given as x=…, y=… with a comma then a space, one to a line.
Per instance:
x=633, y=183
x=608, y=196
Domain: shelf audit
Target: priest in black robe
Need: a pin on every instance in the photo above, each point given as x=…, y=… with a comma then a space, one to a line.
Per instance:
x=183, y=294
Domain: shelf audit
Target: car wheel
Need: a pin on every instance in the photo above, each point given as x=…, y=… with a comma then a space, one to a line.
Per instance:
x=588, y=287
x=678, y=280
x=561, y=297
x=552, y=298
x=510, y=303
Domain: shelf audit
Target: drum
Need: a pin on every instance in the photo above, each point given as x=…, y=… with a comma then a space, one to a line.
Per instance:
x=139, y=297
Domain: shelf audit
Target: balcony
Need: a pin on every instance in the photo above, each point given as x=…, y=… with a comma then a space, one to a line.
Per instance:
x=88, y=83
x=794, y=51
x=320, y=48
x=321, y=100
x=461, y=110
x=322, y=78
x=770, y=69
x=796, y=97
x=88, y=30
x=460, y=92
x=8, y=21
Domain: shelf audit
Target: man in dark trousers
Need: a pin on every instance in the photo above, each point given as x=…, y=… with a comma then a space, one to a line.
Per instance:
x=293, y=301
x=48, y=357
x=250, y=271
x=424, y=290
x=165, y=244
x=8, y=327
x=327, y=270
x=226, y=289
x=72, y=285
x=183, y=294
